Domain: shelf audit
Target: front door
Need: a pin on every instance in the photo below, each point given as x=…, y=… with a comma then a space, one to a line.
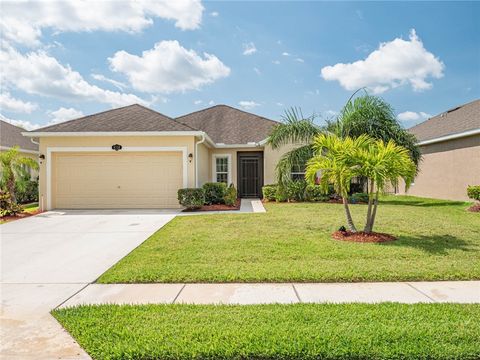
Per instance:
x=250, y=174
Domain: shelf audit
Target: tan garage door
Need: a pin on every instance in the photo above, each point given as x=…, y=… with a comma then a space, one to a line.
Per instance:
x=116, y=180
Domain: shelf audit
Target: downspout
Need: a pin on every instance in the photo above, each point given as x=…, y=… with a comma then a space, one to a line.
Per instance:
x=33, y=141
x=196, y=157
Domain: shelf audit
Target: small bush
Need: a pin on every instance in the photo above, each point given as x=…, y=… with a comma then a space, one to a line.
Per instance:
x=314, y=193
x=359, y=198
x=26, y=191
x=296, y=190
x=214, y=192
x=7, y=206
x=191, y=198
x=473, y=192
x=281, y=194
x=269, y=192
x=230, y=197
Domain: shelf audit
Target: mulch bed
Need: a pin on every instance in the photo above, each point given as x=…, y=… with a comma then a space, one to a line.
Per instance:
x=474, y=208
x=363, y=237
x=216, y=207
x=19, y=216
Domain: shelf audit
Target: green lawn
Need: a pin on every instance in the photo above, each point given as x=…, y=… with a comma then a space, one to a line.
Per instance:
x=301, y=331
x=438, y=240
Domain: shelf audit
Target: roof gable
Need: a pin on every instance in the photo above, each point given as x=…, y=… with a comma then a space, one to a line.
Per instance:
x=129, y=118
x=227, y=125
x=11, y=135
x=454, y=121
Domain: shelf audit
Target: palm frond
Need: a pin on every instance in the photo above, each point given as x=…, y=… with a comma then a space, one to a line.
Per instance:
x=294, y=158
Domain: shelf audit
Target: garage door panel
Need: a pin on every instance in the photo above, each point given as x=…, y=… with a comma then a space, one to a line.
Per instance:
x=117, y=180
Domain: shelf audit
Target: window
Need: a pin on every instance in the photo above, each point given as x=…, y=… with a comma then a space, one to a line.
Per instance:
x=298, y=172
x=222, y=168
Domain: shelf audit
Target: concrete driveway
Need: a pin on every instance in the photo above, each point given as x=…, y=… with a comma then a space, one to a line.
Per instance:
x=50, y=257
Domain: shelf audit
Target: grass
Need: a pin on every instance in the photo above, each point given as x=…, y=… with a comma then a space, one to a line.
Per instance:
x=300, y=331
x=437, y=240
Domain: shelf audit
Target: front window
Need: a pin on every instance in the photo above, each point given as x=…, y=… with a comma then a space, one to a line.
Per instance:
x=221, y=169
x=298, y=172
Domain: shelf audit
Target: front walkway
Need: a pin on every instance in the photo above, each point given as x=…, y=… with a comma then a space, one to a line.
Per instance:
x=244, y=294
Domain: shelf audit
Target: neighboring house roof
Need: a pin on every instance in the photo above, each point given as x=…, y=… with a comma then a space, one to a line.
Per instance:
x=464, y=119
x=11, y=135
x=132, y=118
x=227, y=125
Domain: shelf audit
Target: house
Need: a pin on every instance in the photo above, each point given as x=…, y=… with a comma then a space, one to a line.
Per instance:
x=11, y=135
x=450, y=145
x=135, y=157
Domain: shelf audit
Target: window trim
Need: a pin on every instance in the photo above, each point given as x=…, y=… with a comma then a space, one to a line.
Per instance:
x=229, y=166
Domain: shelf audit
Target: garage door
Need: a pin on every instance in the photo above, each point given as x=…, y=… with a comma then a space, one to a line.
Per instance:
x=116, y=180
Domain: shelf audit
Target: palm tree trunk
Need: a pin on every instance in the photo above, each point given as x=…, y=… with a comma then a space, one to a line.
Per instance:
x=369, y=211
x=374, y=213
x=11, y=188
x=350, y=223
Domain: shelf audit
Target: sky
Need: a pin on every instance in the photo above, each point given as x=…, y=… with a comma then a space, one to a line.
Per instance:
x=65, y=59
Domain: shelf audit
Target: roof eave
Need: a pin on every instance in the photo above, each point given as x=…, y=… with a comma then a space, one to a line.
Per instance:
x=450, y=137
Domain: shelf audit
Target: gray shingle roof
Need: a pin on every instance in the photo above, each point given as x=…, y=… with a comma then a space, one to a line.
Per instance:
x=454, y=121
x=225, y=124
x=11, y=135
x=129, y=118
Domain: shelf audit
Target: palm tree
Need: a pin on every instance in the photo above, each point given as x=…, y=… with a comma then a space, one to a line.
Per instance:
x=14, y=166
x=383, y=164
x=337, y=163
x=368, y=114
x=294, y=129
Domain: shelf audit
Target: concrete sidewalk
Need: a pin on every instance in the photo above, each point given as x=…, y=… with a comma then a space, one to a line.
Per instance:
x=244, y=294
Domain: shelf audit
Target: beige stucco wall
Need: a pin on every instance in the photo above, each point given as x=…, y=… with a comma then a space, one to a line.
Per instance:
x=447, y=169
x=108, y=141
x=203, y=161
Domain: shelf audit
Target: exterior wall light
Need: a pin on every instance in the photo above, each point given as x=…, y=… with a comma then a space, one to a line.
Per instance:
x=41, y=157
x=190, y=157
x=117, y=147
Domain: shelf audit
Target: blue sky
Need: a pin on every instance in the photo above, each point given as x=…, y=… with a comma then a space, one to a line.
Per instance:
x=62, y=60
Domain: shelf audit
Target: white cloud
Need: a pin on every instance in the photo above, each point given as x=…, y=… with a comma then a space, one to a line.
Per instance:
x=119, y=85
x=393, y=64
x=249, y=48
x=63, y=114
x=198, y=102
x=38, y=73
x=299, y=60
x=279, y=104
x=214, y=13
x=257, y=71
x=276, y=62
x=211, y=102
x=412, y=116
x=248, y=104
x=285, y=54
x=23, y=21
x=168, y=67
x=27, y=125
x=8, y=103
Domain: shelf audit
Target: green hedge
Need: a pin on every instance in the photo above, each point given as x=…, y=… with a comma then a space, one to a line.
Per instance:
x=191, y=198
x=26, y=192
x=359, y=198
x=297, y=190
x=214, y=192
x=230, y=197
x=473, y=192
x=269, y=192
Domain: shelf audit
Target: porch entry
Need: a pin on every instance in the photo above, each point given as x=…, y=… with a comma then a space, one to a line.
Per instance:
x=250, y=174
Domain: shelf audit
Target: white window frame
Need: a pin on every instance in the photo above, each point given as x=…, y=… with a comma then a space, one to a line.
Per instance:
x=50, y=150
x=214, y=167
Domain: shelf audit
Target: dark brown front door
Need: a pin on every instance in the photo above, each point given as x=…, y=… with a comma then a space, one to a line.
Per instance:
x=250, y=174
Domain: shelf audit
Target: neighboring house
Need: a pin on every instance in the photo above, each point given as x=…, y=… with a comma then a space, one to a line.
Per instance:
x=11, y=135
x=134, y=157
x=450, y=145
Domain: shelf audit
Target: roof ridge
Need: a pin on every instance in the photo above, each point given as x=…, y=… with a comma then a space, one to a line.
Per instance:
x=170, y=118
x=198, y=111
x=228, y=106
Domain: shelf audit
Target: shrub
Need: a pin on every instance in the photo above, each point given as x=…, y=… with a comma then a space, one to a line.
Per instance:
x=269, y=192
x=473, y=192
x=214, y=192
x=281, y=194
x=296, y=190
x=7, y=206
x=314, y=193
x=359, y=198
x=26, y=191
x=191, y=198
x=230, y=197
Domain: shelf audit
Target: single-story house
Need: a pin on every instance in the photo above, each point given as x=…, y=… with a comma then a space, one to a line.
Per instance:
x=11, y=136
x=450, y=145
x=135, y=157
